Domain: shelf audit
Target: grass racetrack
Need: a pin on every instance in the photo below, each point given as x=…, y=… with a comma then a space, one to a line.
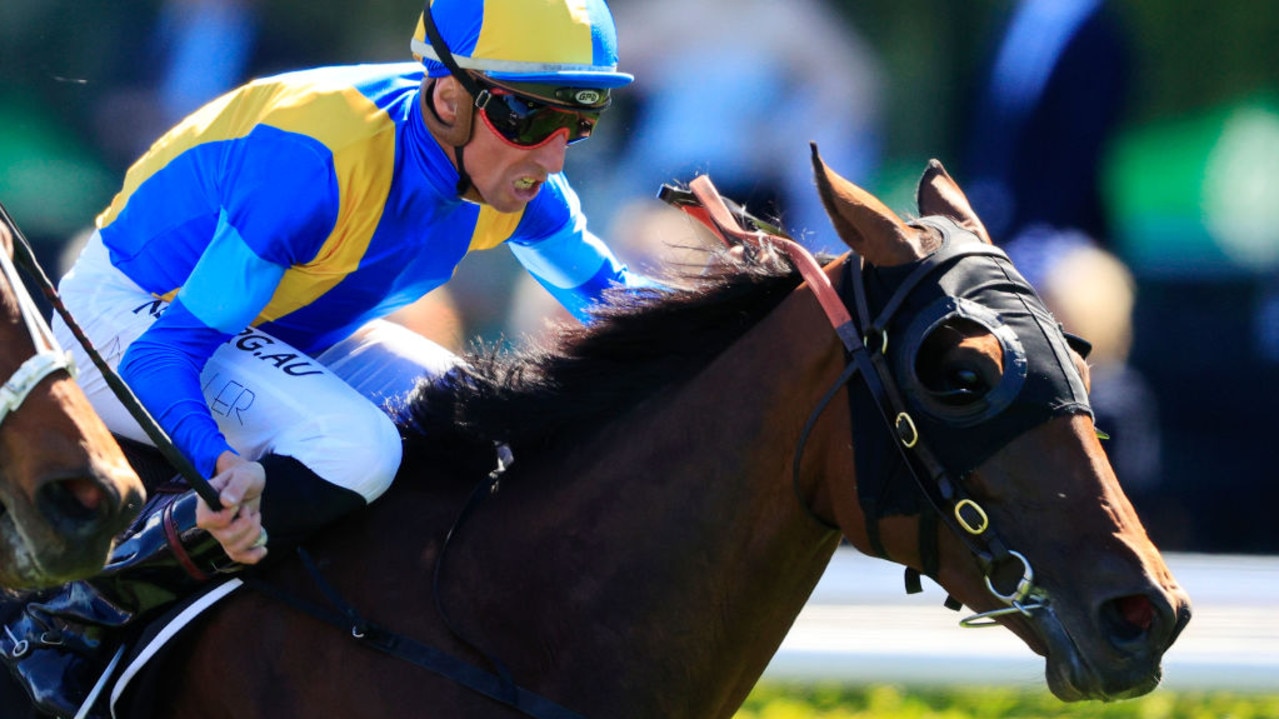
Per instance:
x=863, y=650
x=773, y=700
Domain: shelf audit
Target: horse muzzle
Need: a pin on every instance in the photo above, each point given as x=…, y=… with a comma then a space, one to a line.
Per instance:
x=1118, y=652
x=65, y=530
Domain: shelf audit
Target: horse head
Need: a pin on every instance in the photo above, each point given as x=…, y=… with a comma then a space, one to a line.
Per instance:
x=990, y=476
x=65, y=486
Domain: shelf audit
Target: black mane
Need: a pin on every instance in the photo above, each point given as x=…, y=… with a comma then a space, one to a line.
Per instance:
x=639, y=343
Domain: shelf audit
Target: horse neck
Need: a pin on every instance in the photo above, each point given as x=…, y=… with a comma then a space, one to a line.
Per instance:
x=710, y=554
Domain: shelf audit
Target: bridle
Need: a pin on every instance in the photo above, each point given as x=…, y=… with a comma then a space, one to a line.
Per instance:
x=49, y=357
x=947, y=498
x=865, y=343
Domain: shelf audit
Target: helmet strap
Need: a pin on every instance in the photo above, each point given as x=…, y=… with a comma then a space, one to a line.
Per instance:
x=445, y=55
x=459, y=133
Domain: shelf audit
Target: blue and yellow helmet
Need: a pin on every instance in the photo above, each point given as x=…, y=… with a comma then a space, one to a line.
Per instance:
x=551, y=42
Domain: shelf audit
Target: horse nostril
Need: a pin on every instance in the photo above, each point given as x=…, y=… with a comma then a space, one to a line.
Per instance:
x=77, y=500
x=1137, y=610
x=1129, y=618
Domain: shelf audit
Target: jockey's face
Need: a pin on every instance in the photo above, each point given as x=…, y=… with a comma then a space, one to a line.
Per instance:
x=509, y=177
x=505, y=176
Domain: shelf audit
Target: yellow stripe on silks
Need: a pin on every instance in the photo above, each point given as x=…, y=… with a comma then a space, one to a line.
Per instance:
x=510, y=34
x=362, y=140
x=346, y=122
x=492, y=228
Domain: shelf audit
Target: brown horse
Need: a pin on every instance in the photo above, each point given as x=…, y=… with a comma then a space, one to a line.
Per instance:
x=65, y=487
x=684, y=469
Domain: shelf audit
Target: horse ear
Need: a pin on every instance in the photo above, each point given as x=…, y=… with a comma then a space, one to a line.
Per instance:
x=863, y=222
x=939, y=194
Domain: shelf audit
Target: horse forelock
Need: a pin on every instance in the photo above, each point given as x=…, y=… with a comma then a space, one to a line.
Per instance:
x=571, y=385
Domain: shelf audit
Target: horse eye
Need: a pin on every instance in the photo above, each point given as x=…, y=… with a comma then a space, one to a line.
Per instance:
x=958, y=364
x=965, y=378
x=961, y=386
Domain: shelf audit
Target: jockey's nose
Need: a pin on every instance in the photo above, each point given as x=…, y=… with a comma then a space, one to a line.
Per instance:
x=550, y=157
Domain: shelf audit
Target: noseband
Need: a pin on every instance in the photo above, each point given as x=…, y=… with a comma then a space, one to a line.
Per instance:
x=49, y=356
x=867, y=342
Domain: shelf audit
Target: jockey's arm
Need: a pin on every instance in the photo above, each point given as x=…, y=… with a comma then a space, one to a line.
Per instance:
x=565, y=257
x=576, y=269
x=226, y=291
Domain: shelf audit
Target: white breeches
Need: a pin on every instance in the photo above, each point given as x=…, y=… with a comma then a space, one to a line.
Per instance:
x=328, y=412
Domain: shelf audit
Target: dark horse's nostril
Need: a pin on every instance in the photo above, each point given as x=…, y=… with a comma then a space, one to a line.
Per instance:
x=1137, y=610
x=73, y=501
x=1129, y=618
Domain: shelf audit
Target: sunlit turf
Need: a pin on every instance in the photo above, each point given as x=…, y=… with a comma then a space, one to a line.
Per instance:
x=838, y=701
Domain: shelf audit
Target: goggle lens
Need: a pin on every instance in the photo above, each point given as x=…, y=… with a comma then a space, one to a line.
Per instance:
x=528, y=123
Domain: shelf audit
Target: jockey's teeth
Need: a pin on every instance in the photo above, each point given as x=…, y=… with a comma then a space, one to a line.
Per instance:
x=525, y=183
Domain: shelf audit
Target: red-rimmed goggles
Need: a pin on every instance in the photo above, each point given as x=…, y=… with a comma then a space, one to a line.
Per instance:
x=527, y=122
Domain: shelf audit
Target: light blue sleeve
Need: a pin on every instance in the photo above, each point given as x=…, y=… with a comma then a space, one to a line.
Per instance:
x=231, y=284
x=566, y=258
x=576, y=268
x=227, y=289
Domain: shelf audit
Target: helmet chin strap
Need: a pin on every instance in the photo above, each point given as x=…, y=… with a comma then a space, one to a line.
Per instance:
x=457, y=134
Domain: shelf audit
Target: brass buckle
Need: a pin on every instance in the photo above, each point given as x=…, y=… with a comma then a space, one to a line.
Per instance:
x=906, y=431
x=980, y=526
x=883, y=339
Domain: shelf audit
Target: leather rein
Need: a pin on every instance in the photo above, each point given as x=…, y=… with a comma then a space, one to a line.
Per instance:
x=865, y=342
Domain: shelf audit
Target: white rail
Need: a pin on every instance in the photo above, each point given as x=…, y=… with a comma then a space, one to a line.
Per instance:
x=859, y=626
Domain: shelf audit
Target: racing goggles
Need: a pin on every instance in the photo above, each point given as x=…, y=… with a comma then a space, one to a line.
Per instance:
x=526, y=122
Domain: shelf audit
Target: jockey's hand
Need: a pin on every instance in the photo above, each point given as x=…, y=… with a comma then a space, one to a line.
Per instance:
x=238, y=527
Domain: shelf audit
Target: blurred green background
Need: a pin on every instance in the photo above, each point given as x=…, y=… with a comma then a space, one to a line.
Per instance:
x=1189, y=176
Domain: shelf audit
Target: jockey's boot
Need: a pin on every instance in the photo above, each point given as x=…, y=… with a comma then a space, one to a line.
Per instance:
x=58, y=646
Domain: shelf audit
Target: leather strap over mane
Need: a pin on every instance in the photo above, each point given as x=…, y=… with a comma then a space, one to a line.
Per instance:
x=721, y=220
x=704, y=203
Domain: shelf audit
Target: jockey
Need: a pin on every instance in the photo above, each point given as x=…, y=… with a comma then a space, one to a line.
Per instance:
x=239, y=278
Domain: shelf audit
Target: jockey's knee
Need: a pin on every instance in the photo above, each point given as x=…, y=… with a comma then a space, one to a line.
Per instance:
x=356, y=450
x=381, y=458
x=296, y=501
